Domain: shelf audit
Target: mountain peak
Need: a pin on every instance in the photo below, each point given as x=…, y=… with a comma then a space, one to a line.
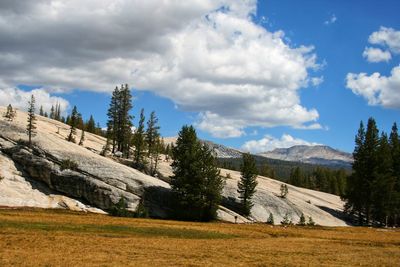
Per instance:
x=318, y=154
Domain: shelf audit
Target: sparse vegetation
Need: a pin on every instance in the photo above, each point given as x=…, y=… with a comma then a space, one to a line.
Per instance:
x=271, y=219
x=302, y=220
x=284, y=190
x=68, y=164
x=287, y=220
x=10, y=113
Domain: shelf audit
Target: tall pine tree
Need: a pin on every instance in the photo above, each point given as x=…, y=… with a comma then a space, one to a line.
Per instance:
x=248, y=182
x=139, y=141
x=196, y=182
x=30, y=128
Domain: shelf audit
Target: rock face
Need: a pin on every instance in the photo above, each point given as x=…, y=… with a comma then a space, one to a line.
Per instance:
x=32, y=177
x=98, y=181
x=320, y=155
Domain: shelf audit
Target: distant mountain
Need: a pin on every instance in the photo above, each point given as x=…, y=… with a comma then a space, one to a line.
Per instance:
x=220, y=151
x=320, y=155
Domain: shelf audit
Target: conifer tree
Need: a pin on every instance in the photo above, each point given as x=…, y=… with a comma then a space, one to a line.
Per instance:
x=302, y=220
x=52, y=112
x=30, y=128
x=196, y=182
x=82, y=138
x=152, y=136
x=112, y=113
x=248, y=182
x=41, y=113
x=383, y=186
x=139, y=141
x=270, y=219
x=10, y=113
x=45, y=114
x=91, y=125
x=73, y=123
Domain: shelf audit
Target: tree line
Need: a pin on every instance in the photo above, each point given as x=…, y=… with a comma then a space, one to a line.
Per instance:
x=373, y=189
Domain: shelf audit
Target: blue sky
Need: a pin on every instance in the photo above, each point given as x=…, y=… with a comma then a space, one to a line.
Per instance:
x=193, y=63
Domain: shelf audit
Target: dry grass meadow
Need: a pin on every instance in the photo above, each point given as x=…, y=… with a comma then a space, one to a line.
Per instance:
x=61, y=238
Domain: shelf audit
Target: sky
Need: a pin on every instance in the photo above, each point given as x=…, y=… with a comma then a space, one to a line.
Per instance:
x=253, y=75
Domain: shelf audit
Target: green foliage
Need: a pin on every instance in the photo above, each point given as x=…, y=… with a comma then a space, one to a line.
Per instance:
x=153, y=142
x=286, y=219
x=139, y=142
x=196, y=182
x=119, y=120
x=284, y=190
x=30, y=128
x=91, y=125
x=302, y=220
x=68, y=164
x=141, y=210
x=119, y=209
x=73, y=122
x=10, y=113
x=310, y=221
x=270, y=219
x=373, y=189
x=247, y=183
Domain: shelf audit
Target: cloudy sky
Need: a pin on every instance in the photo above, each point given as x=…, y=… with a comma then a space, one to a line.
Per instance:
x=250, y=74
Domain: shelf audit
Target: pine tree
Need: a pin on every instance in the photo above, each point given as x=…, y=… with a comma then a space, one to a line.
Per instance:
x=394, y=142
x=30, y=129
x=125, y=130
x=270, y=219
x=52, y=112
x=139, y=141
x=355, y=192
x=383, y=186
x=41, y=113
x=91, y=125
x=371, y=146
x=10, y=113
x=284, y=190
x=73, y=123
x=196, y=182
x=57, y=113
x=302, y=220
x=45, y=114
x=82, y=138
x=112, y=113
x=247, y=184
x=152, y=135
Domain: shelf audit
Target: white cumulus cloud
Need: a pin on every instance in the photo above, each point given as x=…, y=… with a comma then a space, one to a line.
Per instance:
x=376, y=55
x=206, y=56
x=388, y=37
x=269, y=143
x=19, y=99
x=376, y=88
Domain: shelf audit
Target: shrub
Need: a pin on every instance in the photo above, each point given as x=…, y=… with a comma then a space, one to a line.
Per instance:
x=270, y=219
x=302, y=220
x=284, y=190
x=310, y=221
x=141, y=211
x=119, y=209
x=286, y=220
x=68, y=164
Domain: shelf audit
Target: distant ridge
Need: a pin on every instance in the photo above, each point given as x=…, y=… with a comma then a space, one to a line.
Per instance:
x=319, y=154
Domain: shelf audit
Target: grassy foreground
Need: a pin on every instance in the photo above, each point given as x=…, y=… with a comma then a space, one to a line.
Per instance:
x=54, y=238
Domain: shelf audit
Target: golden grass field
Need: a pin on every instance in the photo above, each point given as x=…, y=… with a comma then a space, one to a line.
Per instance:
x=61, y=238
